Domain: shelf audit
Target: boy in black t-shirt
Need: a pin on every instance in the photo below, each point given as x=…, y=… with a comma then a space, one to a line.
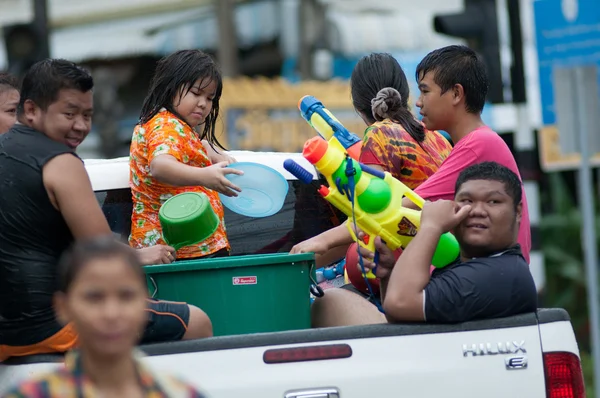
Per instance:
x=491, y=279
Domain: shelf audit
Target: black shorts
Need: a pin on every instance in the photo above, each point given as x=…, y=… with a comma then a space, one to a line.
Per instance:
x=167, y=321
x=219, y=253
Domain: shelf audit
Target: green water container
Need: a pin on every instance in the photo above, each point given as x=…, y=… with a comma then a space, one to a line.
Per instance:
x=241, y=294
x=187, y=219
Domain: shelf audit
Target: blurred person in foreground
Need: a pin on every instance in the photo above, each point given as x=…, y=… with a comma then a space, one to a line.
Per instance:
x=102, y=292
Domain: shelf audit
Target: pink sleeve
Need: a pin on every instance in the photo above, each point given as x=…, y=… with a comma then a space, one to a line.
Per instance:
x=441, y=184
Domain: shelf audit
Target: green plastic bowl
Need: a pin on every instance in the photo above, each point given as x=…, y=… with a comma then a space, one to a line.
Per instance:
x=187, y=219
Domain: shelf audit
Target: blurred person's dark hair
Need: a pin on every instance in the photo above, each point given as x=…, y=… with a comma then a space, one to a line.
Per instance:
x=83, y=252
x=380, y=90
x=8, y=82
x=492, y=171
x=45, y=79
x=458, y=64
x=176, y=74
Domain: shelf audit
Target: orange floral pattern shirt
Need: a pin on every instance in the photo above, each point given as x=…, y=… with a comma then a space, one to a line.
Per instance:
x=388, y=145
x=166, y=134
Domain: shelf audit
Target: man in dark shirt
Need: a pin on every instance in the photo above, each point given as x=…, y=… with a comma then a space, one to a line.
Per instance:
x=490, y=279
x=47, y=202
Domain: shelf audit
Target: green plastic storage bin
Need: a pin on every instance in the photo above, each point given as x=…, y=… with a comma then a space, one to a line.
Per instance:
x=241, y=294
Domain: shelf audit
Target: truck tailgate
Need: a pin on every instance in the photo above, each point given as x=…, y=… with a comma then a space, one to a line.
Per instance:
x=491, y=358
x=427, y=365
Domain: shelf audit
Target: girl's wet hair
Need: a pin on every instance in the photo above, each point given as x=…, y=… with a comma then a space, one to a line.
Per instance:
x=176, y=74
x=8, y=82
x=83, y=252
x=380, y=90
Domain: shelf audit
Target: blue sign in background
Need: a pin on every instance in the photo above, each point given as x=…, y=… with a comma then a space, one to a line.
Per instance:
x=567, y=35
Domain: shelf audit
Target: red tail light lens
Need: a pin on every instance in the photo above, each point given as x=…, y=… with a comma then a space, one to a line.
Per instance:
x=307, y=353
x=564, y=378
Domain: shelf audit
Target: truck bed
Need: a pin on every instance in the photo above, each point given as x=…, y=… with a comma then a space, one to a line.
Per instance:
x=491, y=358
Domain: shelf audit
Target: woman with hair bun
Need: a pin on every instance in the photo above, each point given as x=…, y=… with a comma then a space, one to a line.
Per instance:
x=394, y=141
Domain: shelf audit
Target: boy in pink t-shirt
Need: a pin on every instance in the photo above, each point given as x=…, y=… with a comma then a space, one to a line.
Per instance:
x=453, y=87
x=480, y=145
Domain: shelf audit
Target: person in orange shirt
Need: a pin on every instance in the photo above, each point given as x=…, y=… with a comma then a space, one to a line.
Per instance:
x=168, y=155
x=394, y=141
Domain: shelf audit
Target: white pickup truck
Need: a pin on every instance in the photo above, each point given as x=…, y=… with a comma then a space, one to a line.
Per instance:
x=529, y=355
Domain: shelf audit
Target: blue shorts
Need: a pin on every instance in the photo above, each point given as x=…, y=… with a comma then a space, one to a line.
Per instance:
x=167, y=321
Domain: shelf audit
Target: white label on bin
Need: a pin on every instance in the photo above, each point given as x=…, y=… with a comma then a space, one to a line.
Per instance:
x=244, y=280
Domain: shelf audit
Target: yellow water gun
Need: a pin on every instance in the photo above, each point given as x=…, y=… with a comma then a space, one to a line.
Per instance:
x=323, y=121
x=371, y=199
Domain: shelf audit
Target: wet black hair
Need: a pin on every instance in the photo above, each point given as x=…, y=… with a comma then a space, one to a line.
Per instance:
x=44, y=80
x=378, y=71
x=82, y=252
x=176, y=74
x=493, y=171
x=458, y=64
x=8, y=82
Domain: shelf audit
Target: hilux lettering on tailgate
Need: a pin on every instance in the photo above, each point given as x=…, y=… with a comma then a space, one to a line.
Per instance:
x=493, y=349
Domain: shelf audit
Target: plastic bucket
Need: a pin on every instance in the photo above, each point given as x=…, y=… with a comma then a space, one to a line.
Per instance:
x=187, y=219
x=241, y=294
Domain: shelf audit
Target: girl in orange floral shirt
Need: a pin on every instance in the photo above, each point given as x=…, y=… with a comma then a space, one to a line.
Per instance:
x=169, y=157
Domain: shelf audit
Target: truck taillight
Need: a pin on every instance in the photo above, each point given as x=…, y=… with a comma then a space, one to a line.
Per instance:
x=564, y=378
x=307, y=353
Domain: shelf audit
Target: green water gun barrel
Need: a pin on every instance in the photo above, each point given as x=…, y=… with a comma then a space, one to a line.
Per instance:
x=446, y=252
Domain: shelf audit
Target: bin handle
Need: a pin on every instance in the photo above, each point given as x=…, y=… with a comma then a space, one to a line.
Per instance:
x=315, y=289
x=155, y=287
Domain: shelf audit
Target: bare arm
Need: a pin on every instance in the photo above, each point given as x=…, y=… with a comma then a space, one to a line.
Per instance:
x=332, y=255
x=168, y=170
x=70, y=191
x=215, y=156
x=404, y=296
x=403, y=300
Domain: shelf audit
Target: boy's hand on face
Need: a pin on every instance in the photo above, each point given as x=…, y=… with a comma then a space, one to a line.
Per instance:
x=443, y=215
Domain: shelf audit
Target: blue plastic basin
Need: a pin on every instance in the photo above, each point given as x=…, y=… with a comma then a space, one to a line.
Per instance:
x=263, y=190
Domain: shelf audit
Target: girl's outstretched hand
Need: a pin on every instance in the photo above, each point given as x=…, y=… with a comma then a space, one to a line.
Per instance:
x=216, y=156
x=222, y=157
x=214, y=178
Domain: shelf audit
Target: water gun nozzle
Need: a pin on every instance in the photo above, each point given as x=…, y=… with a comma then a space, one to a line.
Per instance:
x=314, y=149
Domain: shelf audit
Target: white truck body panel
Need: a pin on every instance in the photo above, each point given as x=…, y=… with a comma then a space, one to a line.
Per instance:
x=414, y=360
x=106, y=174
